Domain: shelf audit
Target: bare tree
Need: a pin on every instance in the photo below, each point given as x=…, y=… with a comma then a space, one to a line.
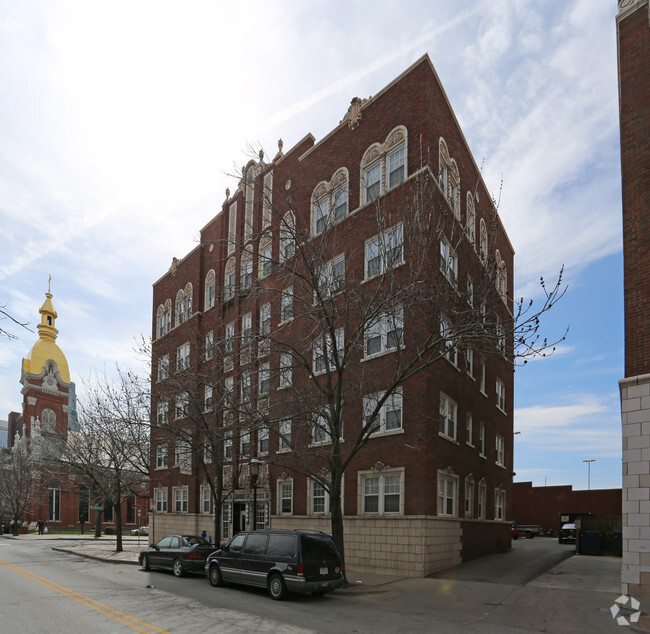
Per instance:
x=4, y=314
x=110, y=452
x=16, y=482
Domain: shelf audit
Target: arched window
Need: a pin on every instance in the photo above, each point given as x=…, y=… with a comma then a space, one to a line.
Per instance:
x=251, y=174
x=470, y=220
x=161, y=319
x=384, y=166
x=287, y=236
x=184, y=304
x=210, y=289
x=501, y=275
x=229, y=282
x=329, y=201
x=483, y=238
x=246, y=272
x=265, y=256
x=48, y=421
x=449, y=178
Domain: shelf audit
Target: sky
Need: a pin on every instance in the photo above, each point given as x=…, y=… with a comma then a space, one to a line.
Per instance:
x=122, y=123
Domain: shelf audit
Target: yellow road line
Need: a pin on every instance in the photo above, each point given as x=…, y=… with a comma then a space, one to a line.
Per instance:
x=126, y=619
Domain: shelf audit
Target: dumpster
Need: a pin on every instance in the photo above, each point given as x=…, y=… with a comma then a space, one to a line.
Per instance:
x=591, y=542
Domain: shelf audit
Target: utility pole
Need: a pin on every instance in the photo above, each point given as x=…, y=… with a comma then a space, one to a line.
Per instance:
x=589, y=472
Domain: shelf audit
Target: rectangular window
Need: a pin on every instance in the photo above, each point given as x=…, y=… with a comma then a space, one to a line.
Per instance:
x=182, y=357
x=210, y=294
x=266, y=261
x=396, y=167
x=449, y=344
x=264, y=379
x=209, y=345
x=320, y=431
x=482, y=378
x=207, y=398
x=161, y=456
x=469, y=361
x=382, y=494
x=481, y=501
x=448, y=411
x=284, y=442
x=232, y=227
x=481, y=440
x=469, y=429
x=372, y=182
x=331, y=278
x=206, y=498
x=54, y=504
x=161, y=500
x=469, y=293
x=227, y=446
x=469, y=498
x=385, y=333
x=320, y=499
x=286, y=370
x=384, y=251
x=246, y=386
x=245, y=444
x=182, y=405
x=389, y=417
x=286, y=305
x=501, y=395
x=286, y=497
x=183, y=456
x=321, y=214
x=448, y=262
x=287, y=242
x=163, y=412
x=226, y=513
x=499, y=504
x=229, y=288
x=163, y=368
x=267, y=201
x=263, y=441
x=246, y=276
x=246, y=330
x=180, y=500
x=228, y=389
x=500, y=450
x=340, y=203
x=324, y=355
x=447, y=493
x=265, y=320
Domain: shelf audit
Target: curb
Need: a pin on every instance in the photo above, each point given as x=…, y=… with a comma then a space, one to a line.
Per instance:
x=95, y=557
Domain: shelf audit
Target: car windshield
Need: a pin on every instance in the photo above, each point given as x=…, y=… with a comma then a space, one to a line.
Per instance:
x=315, y=548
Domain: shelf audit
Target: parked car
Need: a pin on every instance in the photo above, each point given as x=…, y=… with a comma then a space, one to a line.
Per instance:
x=281, y=561
x=528, y=530
x=143, y=530
x=178, y=553
x=567, y=534
x=516, y=534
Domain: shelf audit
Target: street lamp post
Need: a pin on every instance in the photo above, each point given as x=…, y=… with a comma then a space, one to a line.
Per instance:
x=589, y=472
x=255, y=472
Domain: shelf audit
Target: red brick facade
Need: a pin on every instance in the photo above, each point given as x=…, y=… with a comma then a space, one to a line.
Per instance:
x=412, y=114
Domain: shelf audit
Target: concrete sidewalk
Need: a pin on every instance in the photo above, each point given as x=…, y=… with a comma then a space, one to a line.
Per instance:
x=574, y=596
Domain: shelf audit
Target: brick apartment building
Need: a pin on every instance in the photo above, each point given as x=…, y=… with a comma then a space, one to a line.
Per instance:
x=344, y=327
x=633, y=27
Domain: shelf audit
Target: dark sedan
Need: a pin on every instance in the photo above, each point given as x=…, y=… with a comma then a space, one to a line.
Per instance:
x=178, y=553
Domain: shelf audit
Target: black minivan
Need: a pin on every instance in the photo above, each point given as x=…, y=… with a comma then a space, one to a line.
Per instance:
x=280, y=560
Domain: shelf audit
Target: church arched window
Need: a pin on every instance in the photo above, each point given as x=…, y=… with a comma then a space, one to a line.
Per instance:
x=48, y=420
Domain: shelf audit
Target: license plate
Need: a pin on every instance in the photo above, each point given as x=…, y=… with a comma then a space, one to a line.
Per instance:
x=323, y=571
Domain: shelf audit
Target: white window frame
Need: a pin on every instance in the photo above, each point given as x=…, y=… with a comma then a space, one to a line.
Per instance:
x=245, y=386
x=245, y=444
x=284, y=436
x=469, y=292
x=449, y=345
x=206, y=500
x=246, y=331
x=287, y=238
x=226, y=519
x=448, y=262
x=501, y=395
x=481, y=500
x=372, y=174
x=209, y=345
x=286, y=370
x=331, y=278
x=181, y=405
x=447, y=495
x=469, y=497
x=499, y=504
x=386, y=332
x=265, y=320
x=181, y=499
x=230, y=281
x=320, y=214
x=469, y=429
x=161, y=500
x=469, y=361
x=315, y=488
x=162, y=453
x=265, y=259
x=500, y=450
x=163, y=367
x=183, y=356
x=399, y=153
x=481, y=440
x=326, y=357
x=285, y=495
x=227, y=446
x=448, y=417
x=207, y=398
x=321, y=433
x=163, y=412
x=264, y=379
x=382, y=492
x=263, y=441
x=210, y=289
x=286, y=305
x=383, y=248
x=382, y=425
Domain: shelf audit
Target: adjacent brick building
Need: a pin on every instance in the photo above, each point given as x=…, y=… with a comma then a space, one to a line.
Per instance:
x=257, y=330
x=633, y=26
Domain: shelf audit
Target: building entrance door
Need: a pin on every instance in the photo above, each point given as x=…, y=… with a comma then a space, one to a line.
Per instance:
x=239, y=517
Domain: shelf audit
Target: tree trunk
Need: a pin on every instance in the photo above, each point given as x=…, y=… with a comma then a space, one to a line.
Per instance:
x=336, y=512
x=118, y=520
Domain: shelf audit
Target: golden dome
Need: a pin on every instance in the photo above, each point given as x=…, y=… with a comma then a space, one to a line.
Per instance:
x=46, y=349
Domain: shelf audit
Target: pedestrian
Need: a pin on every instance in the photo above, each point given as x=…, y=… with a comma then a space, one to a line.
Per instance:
x=39, y=525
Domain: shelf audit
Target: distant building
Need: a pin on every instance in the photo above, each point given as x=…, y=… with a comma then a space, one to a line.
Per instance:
x=4, y=430
x=432, y=484
x=633, y=28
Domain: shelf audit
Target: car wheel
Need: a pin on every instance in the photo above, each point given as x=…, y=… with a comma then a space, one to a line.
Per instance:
x=277, y=589
x=529, y=534
x=215, y=577
x=145, y=563
x=178, y=568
